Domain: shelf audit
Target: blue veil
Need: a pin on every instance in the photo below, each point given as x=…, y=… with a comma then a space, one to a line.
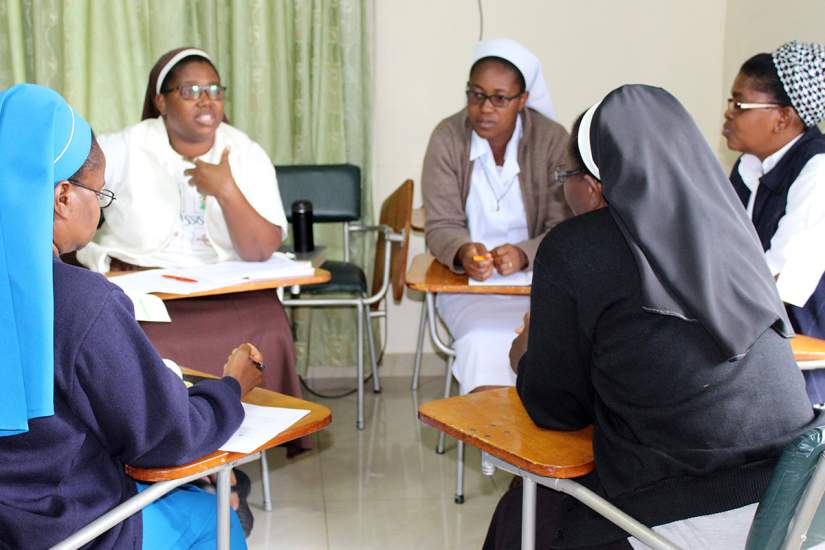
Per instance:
x=42, y=142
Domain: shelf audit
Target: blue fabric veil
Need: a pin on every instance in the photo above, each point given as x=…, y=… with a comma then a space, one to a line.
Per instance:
x=42, y=142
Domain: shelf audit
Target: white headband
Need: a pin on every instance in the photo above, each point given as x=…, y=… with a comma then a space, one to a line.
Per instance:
x=68, y=141
x=174, y=61
x=584, y=141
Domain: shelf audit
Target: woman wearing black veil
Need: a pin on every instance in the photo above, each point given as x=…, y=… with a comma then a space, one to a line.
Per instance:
x=655, y=318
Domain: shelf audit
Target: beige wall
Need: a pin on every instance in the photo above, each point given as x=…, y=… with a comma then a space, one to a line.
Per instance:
x=587, y=48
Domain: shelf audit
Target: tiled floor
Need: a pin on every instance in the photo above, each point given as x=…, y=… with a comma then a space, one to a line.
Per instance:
x=384, y=487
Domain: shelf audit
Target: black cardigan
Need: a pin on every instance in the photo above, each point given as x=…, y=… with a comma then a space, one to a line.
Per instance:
x=678, y=431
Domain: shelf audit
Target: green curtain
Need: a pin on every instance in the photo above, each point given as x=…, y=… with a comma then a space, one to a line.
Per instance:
x=298, y=74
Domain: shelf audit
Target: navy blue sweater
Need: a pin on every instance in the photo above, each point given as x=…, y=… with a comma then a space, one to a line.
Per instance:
x=115, y=403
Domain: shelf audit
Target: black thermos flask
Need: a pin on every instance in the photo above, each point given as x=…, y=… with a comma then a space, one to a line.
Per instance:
x=302, y=226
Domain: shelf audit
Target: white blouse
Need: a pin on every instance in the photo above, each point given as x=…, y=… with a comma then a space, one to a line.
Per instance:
x=495, y=206
x=157, y=219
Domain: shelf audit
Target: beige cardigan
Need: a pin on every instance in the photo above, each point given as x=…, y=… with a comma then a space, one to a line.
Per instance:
x=446, y=183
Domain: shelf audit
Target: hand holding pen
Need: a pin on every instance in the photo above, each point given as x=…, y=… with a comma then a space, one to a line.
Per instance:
x=246, y=365
x=476, y=261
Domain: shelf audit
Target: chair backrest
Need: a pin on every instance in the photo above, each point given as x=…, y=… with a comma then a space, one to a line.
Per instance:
x=790, y=507
x=333, y=189
x=396, y=212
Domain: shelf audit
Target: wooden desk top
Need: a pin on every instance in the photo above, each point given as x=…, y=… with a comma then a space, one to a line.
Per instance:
x=495, y=421
x=320, y=276
x=806, y=348
x=318, y=418
x=426, y=274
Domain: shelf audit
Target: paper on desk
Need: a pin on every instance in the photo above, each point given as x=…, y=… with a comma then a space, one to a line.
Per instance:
x=210, y=276
x=260, y=425
x=153, y=280
x=521, y=278
x=279, y=266
x=149, y=307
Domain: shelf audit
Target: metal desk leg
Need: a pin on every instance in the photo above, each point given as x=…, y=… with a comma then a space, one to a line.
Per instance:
x=419, y=348
x=432, y=319
x=459, y=473
x=223, y=507
x=448, y=380
x=359, y=360
x=376, y=380
x=528, y=514
x=267, y=497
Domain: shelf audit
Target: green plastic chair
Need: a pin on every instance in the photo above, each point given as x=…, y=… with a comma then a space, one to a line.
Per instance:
x=790, y=515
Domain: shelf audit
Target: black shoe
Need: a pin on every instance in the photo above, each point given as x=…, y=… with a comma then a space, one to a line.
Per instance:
x=243, y=486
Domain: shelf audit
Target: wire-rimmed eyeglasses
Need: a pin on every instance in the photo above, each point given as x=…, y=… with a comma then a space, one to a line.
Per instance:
x=560, y=174
x=739, y=106
x=192, y=92
x=104, y=196
x=475, y=97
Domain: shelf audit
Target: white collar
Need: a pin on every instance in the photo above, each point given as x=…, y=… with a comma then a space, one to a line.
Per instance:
x=754, y=167
x=480, y=146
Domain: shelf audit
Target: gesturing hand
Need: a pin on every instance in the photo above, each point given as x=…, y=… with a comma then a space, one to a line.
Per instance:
x=211, y=179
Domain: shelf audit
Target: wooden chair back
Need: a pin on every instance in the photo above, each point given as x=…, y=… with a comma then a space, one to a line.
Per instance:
x=396, y=212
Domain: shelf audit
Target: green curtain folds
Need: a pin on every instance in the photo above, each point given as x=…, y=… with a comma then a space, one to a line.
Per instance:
x=298, y=74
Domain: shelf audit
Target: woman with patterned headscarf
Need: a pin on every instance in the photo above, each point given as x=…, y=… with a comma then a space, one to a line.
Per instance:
x=776, y=102
x=84, y=392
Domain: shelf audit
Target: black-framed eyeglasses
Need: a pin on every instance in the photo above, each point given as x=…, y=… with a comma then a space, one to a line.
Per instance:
x=560, y=174
x=192, y=92
x=474, y=97
x=738, y=106
x=104, y=196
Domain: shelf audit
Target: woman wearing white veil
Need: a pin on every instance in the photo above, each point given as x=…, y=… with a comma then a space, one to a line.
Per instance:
x=488, y=193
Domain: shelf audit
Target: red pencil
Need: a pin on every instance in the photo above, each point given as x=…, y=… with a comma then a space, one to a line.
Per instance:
x=179, y=278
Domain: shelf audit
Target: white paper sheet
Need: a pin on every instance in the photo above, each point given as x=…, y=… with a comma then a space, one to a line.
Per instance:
x=260, y=425
x=521, y=278
x=149, y=307
x=278, y=266
x=208, y=277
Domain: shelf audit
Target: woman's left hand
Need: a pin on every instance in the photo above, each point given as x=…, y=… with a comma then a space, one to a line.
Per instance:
x=519, y=346
x=508, y=259
x=211, y=179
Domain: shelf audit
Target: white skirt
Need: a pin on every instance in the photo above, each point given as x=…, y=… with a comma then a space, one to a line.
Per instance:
x=483, y=327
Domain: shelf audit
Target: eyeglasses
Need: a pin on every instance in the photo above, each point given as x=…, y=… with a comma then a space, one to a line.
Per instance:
x=104, y=196
x=738, y=106
x=191, y=92
x=474, y=97
x=559, y=174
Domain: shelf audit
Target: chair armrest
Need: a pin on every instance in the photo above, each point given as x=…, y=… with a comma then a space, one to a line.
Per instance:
x=388, y=232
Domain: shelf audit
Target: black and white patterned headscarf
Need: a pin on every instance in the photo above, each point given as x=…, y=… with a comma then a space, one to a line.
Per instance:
x=801, y=69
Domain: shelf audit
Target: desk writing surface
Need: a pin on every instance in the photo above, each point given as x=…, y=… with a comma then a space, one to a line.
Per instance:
x=806, y=348
x=496, y=421
x=319, y=417
x=426, y=274
x=318, y=277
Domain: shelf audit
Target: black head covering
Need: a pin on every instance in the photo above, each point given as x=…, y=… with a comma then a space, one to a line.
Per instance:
x=697, y=252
